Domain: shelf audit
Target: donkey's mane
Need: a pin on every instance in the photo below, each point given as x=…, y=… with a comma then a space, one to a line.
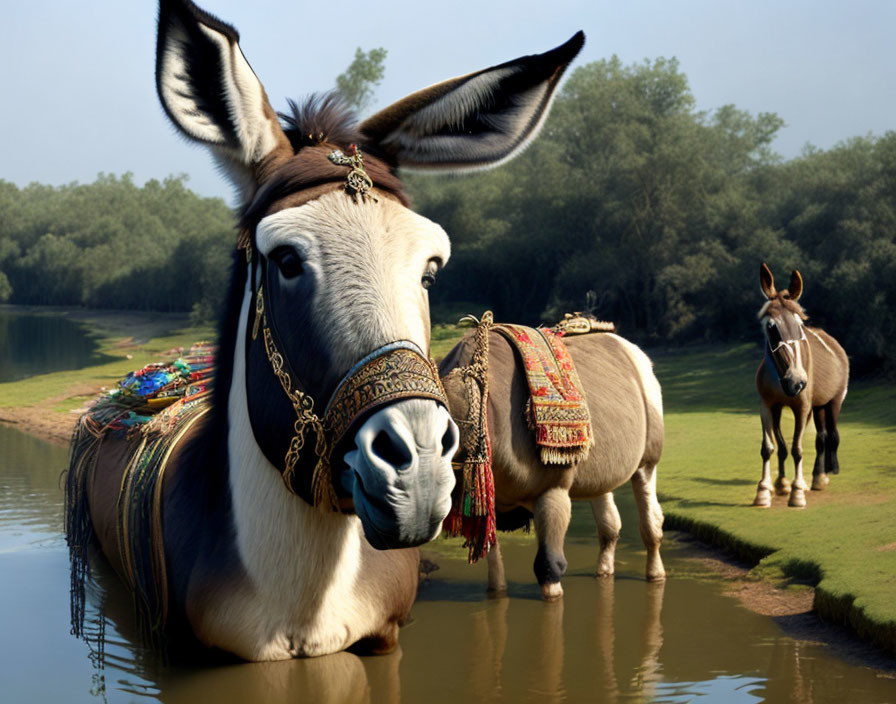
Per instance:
x=315, y=128
x=321, y=117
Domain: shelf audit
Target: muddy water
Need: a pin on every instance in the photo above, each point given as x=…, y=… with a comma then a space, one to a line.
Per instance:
x=616, y=640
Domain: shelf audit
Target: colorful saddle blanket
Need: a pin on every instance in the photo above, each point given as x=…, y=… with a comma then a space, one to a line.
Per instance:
x=151, y=409
x=557, y=409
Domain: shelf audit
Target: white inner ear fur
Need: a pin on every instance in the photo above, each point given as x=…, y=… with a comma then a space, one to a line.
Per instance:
x=177, y=95
x=245, y=100
x=368, y=260
x=509, y=135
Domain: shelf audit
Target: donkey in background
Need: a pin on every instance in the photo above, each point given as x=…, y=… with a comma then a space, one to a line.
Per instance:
x=806, y=370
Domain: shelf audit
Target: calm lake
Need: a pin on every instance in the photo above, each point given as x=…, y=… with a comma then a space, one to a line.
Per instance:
x=37, y=344
x=619, y=640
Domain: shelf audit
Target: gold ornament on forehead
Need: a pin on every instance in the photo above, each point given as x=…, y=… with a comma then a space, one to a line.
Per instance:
x=357, y=183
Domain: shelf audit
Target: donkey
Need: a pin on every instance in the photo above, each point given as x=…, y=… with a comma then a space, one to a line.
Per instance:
x=264, y=558
x=805, y=369
x=626, y=407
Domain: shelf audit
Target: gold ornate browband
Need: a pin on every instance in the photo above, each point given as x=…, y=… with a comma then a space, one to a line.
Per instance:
x=394, y=371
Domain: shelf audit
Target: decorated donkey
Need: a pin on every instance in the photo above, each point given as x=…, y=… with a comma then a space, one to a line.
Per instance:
x=326, y=434
x=808, y=373
x=603, y=429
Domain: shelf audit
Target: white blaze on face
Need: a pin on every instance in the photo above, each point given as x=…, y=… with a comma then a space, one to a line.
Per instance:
x=367, y=260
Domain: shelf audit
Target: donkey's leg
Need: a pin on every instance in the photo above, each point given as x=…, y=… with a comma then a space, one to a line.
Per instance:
x=552, y=513
x=606, y=515
x=650, y=520
x=819, y=475
x=497, y=583
x=832, y=417
x=764, y=489
x=798, y=491
x=782, y=483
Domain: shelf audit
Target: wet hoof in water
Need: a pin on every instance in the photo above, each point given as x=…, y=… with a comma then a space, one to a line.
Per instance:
x=782, y=487
x=551, y=591
x=797, y=498
x=763, y=498
x=820, y=482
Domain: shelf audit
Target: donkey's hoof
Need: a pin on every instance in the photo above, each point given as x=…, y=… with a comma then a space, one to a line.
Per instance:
x=797, y=498
x=603, y=573
x=763, y=498
x=782, y=486
x=820, y=482
x=551, y=591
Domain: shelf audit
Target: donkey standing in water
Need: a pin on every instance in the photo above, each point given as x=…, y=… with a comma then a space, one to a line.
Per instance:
x=808, y=373
x=626, y=408
x=265, y=552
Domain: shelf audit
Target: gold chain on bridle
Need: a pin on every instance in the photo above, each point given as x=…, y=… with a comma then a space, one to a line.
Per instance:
x=322, y=490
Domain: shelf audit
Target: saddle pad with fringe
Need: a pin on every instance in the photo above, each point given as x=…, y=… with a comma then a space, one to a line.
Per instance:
x=557, y=410
x=151, y=410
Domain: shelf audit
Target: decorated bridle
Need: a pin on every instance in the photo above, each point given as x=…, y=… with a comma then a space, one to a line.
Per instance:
x=396, y=370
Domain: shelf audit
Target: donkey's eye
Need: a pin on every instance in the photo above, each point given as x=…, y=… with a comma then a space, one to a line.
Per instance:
x=288, y=261
x=429, y=276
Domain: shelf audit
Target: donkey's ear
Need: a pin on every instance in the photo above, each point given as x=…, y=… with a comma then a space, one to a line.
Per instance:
x=795, y=289
x=211, y=94
x=474, y=121
x=767, y=281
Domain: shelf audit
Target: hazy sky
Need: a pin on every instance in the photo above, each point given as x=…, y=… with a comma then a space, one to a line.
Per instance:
x=79, y=94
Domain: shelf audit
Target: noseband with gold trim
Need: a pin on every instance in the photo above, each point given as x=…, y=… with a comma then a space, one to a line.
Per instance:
x=392, y=372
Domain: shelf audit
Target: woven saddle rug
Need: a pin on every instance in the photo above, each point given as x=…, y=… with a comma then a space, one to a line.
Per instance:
x=557, y=409
x=151, y=410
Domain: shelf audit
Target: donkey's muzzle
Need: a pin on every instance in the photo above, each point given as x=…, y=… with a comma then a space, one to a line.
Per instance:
x=400, y=475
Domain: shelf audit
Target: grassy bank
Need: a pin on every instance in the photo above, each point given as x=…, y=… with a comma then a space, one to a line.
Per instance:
x=843, y=543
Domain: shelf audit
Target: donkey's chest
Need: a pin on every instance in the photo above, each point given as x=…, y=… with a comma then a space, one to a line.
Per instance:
x=285, y=613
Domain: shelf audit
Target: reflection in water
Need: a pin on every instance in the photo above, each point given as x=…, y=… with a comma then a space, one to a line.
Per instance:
x=608, y=640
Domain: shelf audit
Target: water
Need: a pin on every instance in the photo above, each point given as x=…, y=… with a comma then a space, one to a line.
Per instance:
x=37, y=344
x=620, y=640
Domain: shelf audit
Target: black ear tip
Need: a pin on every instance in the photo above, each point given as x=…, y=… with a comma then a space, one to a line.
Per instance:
x=574, y=45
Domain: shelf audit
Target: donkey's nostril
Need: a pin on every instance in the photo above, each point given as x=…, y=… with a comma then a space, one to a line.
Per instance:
x=392, y=451
x=450, y=440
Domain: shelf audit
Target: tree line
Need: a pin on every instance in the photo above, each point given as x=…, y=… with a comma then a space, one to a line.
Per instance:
x=630, y=192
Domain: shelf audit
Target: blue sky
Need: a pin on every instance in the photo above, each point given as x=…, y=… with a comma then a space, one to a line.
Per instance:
x=79, y=95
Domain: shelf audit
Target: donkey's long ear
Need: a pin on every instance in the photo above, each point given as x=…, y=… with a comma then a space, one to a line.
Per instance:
x=473, y=121
x=795, y=289
x=212, y=95
x=767, y=281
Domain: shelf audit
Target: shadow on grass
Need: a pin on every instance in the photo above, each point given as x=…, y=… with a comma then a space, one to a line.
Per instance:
x=723, y=482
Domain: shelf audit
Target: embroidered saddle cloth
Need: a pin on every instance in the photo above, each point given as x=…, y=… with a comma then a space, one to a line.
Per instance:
x=142, y=421
x=557, y=410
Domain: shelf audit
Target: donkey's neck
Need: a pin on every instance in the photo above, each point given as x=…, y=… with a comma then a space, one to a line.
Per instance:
x=292, y=551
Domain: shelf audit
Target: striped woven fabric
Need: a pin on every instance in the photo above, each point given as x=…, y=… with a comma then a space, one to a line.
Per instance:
x=557, y=409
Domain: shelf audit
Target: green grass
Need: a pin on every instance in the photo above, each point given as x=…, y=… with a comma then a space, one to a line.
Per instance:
x=842, y=543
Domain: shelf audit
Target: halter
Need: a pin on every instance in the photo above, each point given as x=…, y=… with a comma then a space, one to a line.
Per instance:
x=792, y=345
x=394, y=371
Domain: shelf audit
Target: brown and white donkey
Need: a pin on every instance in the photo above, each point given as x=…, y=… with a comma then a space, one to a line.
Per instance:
x=253, y=566
x=805, y=369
